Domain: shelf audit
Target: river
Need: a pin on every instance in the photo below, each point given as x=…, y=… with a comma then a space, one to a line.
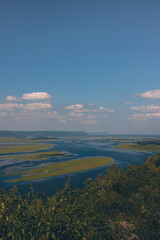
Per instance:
x=76, y=148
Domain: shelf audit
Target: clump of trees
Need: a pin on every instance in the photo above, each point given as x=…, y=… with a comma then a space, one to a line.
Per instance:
x=121, y=205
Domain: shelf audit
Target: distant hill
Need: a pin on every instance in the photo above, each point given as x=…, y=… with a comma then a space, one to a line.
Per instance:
x=42, y=134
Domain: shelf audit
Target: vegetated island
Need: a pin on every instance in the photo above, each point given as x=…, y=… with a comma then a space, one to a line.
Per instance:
x=37, y=156
x=61, y=168
x=155, y=147
x=24, y=148
x=26, y=140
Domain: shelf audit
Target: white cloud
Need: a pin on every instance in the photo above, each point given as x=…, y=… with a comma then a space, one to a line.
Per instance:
x=154, y=94
x=53, y=114
x=8, y=106
x=153, y=115
x=147, y=108
x=36, y=96
x=73, y=114
x=100, y=109
x=74, y=107
x=30, y=96
x=36, y=106
x=79, y=108
x=146, y=116
x=147, y=112
x=106, y=109
x=29, y=106
x=86, y=110
x=11, y=98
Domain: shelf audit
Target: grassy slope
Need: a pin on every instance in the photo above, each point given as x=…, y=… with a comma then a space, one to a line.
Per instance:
x=61, y=168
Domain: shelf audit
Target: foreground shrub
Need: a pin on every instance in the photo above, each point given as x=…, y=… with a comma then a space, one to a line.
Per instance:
x=121, y=205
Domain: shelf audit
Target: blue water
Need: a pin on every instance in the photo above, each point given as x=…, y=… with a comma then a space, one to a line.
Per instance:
x=83, y=148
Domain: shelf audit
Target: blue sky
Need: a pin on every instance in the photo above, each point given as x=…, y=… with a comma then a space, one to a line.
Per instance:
x=85, y=65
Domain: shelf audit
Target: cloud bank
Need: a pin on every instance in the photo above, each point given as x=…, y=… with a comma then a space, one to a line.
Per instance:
x=146, y=116
x=36, y=106
x=28, y=106
x=147, y=108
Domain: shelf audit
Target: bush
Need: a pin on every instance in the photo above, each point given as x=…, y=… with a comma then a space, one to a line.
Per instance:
x=119, y=205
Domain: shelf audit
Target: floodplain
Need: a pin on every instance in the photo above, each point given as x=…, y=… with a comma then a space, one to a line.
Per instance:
x=47, y=161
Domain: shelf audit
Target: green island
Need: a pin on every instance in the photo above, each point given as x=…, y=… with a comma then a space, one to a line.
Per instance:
x=24, y=148
x=75, y=141
x=44, y=140
x=119, y=140
x=15, y=140
x=139, y=147
x=23, y=139
x=61, y=168
x=37, y=156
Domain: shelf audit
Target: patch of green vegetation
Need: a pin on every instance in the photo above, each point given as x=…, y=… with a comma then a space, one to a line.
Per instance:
x=75, y=141
x=61, y=168
x=51, y=154
x=132, y=146
x=45, y=140
x=14, y=140
x=24, y=148
x=120, y=140
x=42, y=155
x=25, y=140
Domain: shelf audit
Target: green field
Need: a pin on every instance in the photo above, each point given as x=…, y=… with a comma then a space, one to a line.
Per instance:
x=138, y=147
x=61, y=168
x=24, y=148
